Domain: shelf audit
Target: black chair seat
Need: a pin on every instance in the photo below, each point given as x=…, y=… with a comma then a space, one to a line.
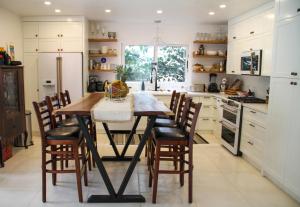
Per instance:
x=167, y=133
x=165, y=123
x=71, y=122
x=63, y=133
x=163, y=117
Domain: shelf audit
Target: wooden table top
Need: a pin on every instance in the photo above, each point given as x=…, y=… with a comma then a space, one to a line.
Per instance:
x=144, y=105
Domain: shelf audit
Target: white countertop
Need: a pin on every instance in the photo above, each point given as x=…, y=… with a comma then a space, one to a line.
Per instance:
x=258, y=107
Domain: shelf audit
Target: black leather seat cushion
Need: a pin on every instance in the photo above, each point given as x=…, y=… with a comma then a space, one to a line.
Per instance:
x=165, y=123
x=163, y=117
x=63, y=133
x=167, y=133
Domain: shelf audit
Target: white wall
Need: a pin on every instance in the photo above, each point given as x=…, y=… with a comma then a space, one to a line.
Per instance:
x=11, y=32
x=138, y=33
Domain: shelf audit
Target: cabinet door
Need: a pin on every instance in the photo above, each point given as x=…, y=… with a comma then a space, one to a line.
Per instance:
x=266, y=42
x=71, y=45
x=31, y=45
x=31, y=84
x=49, y=30
x=49, y=45
x=30, y=29
x=71, y=29
x=286, y=49
x=288, y=8
x=292, y=143
x=234, y=53
x=278, y=127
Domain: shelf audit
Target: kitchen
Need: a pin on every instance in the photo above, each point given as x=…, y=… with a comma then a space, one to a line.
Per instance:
x=231, y=58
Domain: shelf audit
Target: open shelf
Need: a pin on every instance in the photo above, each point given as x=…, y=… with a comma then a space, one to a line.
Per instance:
x=207, y=72
x=102, y=71
x=210, y=41
x=102, y=40
x=102, y=55
x=208, y=56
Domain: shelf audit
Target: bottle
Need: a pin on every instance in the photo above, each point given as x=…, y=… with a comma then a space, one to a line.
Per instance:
x=201, y=50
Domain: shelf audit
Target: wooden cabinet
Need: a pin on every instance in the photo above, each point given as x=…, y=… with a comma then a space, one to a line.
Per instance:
x=12, y=106
x=288, y=9
x=286, y=49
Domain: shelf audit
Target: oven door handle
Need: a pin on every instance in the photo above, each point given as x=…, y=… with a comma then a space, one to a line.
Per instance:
x=235, y=111
x=233, y=129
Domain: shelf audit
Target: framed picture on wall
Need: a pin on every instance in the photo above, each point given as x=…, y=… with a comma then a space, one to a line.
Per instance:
x=11, y=51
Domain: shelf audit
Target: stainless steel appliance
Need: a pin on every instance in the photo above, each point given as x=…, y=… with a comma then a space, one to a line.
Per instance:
x=251, y=62
x=231, y=125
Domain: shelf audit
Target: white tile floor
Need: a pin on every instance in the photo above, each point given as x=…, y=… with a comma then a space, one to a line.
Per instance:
x=220, y=180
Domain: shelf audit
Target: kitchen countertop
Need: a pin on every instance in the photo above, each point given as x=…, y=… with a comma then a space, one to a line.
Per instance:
x=258, y=107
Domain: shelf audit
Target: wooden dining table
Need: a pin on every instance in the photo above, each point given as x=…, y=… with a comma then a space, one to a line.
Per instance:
x=145, y=105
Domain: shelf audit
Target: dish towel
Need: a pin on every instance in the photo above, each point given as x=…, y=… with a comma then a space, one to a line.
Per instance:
x=110, y=111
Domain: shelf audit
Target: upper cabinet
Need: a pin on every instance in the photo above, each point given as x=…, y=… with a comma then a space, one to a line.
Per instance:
x=53, y=36
x=287, y=46
x=30, y=30
x=251, y=32
x=287, y=9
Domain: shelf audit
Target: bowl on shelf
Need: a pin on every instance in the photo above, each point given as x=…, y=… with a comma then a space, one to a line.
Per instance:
x=211, y=52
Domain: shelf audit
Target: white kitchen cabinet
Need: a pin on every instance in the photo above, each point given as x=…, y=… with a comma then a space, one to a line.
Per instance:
x=71, y=30
x=288, y=8
x=50, y=29
x=204, y=124
x=234, y=52
x=31, y=84
x=267, y=53
x=49, y=45
x=31, y=45
x=286, y=49
x=71, y=44
x=30, y=30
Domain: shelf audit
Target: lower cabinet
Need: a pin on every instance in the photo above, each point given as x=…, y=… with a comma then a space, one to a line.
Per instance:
x=253, y=136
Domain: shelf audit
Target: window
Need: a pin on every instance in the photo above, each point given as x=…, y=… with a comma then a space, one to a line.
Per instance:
x=172, y=62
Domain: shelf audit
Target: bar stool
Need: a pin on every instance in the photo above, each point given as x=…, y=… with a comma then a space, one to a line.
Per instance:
x=182, y=136
x=173, y=106
x=66, y=100
x=52, y=141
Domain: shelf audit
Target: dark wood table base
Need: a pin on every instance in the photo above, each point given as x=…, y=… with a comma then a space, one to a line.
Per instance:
x=117, y=197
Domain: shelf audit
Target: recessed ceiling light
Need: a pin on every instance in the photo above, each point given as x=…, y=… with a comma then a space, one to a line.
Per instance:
x=57, y=10
x=107, y=10
x=211, y=13
x=222, y=6
x=159, y=11
x=47, y=3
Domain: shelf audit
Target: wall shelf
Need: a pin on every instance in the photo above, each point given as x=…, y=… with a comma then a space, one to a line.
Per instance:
x=102, y=71
x=208, y=56
x=207, y=72
x=210, y=41
x=102, y=40
x=102, y=55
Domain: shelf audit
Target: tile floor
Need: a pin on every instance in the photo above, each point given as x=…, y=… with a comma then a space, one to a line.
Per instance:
x=220, y=180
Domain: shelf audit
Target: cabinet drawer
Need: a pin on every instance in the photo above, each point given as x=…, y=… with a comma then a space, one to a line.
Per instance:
x=255, y=116
x=253, y=130
x=204, y=124
x=252, y=147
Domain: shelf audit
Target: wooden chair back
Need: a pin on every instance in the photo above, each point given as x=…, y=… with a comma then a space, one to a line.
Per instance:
x=182, y=103
x=65, y=98
x=190, y=118
x=174, y=101
x=44, y=118
x=53, y=103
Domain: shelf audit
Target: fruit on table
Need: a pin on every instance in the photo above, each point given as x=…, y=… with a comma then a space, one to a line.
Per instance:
x=117, y=89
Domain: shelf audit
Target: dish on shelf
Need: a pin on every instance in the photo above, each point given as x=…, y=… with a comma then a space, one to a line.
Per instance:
x=211, y=52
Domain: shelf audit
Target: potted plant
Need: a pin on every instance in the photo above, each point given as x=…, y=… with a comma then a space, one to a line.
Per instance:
x=123, y=73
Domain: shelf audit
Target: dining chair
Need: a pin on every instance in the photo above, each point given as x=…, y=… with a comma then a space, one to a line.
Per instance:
x=66, y=100
x=53, y=139
x=173, y=105
x=182, y=137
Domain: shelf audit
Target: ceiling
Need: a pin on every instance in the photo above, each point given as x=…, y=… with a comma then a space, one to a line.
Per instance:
x=174, y=11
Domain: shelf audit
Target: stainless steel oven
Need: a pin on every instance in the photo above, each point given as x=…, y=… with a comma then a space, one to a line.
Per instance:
x=251, y=62
x=230, y=134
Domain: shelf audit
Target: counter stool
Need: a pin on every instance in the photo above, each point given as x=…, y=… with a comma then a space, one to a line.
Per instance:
x=182, y=137
x=53, y=140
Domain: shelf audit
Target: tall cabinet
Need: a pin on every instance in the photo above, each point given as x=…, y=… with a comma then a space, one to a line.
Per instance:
x=282, y=151
x=12, y=108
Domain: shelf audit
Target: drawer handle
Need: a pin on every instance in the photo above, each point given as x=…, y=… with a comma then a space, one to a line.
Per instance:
x=252, y=32
x=253, y=112
x=234, y=37
x=294, y=83
x=251, y=143
x=294, y=73
x=298, y=10
x=205, y=106
x=233, y=71
x=205, y=119
x=252, y=125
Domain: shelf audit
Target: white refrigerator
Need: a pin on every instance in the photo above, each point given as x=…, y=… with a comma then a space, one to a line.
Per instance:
x=58, y=72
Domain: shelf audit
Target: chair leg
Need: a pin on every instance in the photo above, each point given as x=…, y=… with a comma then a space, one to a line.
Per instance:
x=67, y=157
x=78, y=173
x=44, y=175
x=150, y=157
x=83, y=160
x=89, y=159
x=175, y=149
x=54, y=164
x=155, y=171
x=62, y=156
x=190, y=172
x=181, y=165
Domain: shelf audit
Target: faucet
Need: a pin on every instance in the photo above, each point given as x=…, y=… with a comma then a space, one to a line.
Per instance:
x=154, y=75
